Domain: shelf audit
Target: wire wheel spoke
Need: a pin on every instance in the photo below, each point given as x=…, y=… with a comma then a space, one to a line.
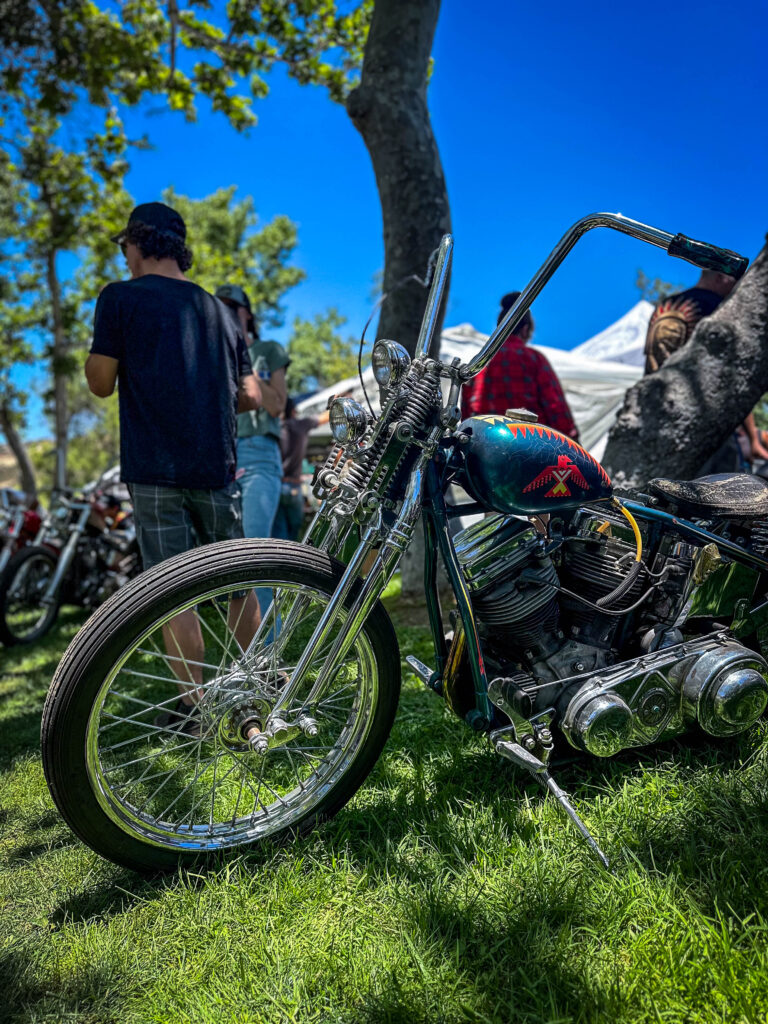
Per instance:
x=176, y=774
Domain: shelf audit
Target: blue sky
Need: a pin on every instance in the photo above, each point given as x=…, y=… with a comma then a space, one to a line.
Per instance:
x=542, y=112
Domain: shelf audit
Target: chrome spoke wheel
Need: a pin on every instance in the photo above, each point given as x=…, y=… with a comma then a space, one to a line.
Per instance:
x=193, y=780
x=153, y=734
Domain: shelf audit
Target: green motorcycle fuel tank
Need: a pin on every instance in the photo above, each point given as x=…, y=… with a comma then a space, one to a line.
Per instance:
x=520, y=467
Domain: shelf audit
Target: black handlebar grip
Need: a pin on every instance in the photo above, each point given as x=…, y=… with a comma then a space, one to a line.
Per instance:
x=708, y=257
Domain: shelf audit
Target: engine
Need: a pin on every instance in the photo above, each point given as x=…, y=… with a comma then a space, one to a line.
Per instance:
x=614, y=680
x=526, y=592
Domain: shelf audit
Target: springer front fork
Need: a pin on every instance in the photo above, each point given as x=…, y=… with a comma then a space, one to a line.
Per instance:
x=387, y=547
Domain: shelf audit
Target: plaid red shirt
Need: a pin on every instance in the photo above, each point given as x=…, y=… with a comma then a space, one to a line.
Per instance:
x=519, y=377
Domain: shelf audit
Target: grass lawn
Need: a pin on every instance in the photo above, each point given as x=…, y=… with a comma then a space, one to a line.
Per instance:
x=449, y=890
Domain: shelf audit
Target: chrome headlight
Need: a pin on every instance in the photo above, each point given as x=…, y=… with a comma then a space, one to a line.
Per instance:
x=390, y=363
x=348, y=420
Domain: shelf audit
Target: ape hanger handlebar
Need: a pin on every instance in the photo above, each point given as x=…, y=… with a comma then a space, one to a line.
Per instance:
x=701, y=254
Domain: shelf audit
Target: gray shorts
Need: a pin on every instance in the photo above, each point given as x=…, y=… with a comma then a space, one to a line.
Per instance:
x=170, y=520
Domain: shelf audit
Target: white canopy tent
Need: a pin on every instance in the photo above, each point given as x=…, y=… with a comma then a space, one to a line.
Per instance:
x=595, y=375
x=623, y=341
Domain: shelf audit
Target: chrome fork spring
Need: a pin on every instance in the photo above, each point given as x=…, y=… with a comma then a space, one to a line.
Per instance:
x=421, y=400
x=360, y=471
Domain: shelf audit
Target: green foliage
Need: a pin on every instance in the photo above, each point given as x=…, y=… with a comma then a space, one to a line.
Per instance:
x=60, y=192
x=94, y=445
x=319, y=355
x=655, y=290
x=59, y=53
x=228, y=249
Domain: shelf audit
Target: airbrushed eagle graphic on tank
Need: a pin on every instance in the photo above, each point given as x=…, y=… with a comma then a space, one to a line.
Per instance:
x=517, y=466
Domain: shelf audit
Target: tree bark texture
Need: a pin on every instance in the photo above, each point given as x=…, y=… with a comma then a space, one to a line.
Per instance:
x=389, y=109
x=15, y=443
x=61, y=423
x=674, y=419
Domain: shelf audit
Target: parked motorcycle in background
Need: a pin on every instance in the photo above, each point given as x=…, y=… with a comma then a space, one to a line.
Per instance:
x=85, y=550
x=19, y=524
x=616, y=624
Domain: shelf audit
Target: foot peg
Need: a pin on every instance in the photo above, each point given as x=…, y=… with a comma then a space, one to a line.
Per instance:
x=521, y=757
x=430, y=679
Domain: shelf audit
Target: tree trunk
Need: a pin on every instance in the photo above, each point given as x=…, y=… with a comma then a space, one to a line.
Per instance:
x=389, y=109
x=15, y=443
x=58, y=362
x=674, y=419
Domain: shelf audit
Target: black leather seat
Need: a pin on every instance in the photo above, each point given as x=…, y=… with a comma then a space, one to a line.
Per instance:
x=723, y=495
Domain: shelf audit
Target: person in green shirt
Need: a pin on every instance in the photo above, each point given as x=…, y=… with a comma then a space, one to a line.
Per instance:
x=259, y=464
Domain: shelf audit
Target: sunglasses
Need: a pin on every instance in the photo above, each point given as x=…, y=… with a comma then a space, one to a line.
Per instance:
x=123, y=247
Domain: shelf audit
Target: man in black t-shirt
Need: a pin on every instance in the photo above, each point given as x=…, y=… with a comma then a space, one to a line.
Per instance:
x=184, y=373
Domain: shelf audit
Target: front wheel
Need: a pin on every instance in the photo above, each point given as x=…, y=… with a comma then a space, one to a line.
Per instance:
x=24, y=618
x=149, y=783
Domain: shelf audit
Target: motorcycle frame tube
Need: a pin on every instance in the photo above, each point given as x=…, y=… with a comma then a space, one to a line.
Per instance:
x=435, y=510
x=434, y=611
x=695, y=533
x=644, y=232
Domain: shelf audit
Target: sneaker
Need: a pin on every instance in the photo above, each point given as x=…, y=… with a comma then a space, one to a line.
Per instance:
x=180, y=717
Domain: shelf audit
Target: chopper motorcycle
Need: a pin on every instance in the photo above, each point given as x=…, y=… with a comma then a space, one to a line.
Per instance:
x=85, y=550
x=614, y=624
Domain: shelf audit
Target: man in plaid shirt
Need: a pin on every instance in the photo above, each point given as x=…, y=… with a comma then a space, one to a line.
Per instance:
x=519, y=377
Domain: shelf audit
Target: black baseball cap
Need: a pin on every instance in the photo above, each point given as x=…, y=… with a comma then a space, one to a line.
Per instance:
x=235, y=294
x=155, y=215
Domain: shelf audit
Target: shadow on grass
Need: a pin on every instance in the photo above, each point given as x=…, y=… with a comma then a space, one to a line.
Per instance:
x=90, y=994
x=30, y=843
x=116, y=895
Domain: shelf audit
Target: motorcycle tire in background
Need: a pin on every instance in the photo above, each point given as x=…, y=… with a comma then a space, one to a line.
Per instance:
x=151, y=794
x=24, y=618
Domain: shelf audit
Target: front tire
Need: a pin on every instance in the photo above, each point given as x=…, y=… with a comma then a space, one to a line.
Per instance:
x=151, y=796
x=24, y=619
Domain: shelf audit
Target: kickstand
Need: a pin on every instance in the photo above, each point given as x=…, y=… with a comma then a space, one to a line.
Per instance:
x=521, y=757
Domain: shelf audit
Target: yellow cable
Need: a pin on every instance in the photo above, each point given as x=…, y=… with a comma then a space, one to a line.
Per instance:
x=635, y=528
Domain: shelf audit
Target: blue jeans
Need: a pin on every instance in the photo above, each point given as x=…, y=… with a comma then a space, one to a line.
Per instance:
x=260, y=474
x=261, y=469
x=290, y=513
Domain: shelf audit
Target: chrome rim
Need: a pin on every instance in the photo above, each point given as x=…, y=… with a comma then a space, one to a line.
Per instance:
x=213, y=790
x=24, y=611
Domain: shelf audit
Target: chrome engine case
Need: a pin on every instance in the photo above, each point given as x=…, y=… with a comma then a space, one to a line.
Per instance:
x=713, y=681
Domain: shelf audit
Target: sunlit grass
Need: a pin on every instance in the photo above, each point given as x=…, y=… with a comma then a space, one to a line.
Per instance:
x=449, y=890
